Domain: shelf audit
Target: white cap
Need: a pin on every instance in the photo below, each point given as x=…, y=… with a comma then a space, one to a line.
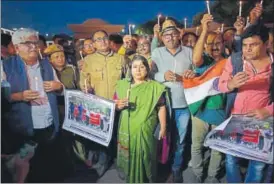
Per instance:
x=20, y=35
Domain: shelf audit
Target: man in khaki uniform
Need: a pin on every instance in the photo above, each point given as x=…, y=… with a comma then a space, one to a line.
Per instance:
x=99, y=74
x=102, y=69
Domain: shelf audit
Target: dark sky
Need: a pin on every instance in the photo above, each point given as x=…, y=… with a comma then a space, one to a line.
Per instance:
x=53, y=16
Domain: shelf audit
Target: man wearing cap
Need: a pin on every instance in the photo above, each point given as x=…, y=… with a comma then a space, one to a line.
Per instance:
x=33, y=117
x=66, y=73
x=170, y=64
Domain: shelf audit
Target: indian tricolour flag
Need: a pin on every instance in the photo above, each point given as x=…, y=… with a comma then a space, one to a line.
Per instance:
x=199, y=88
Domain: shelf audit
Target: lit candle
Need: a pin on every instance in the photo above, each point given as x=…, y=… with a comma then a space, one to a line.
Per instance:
x=247, y=21
x=222, y=28
x=40, y=54
x=197, y=29
x=185, y=22
x=174, y=71
x=36, y=84
x=129, y=29
x=86, y=85
x=175, y=63
x=128, y=92
x=166, y=17
x=240, y=9
x=81, y=55
x=159, y=16
x=207, y=5
x=262, y=2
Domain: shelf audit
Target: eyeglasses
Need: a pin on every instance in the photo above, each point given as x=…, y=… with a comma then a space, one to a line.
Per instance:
x=30, y=43
x=169, y=36
x=101, y=39
x=143, y=45
x=88, y=45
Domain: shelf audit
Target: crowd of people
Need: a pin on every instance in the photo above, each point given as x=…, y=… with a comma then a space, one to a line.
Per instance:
x=144, y=76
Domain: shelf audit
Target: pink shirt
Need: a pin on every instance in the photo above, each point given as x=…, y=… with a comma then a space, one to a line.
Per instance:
x=254, y=94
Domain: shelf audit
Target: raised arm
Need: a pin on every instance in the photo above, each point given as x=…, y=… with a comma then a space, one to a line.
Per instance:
x=199, y=47
x=155, y=40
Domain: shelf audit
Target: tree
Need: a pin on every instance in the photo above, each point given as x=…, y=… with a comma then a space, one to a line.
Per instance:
x=226, y=12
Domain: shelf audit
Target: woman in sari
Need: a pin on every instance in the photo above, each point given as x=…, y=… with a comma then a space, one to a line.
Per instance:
x=142, y=105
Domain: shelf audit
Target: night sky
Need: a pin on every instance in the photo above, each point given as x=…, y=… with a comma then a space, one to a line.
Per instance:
x=53, y=16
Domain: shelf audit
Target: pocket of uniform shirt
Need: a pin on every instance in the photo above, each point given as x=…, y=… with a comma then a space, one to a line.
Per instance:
x=117, y=72
x=97, y=74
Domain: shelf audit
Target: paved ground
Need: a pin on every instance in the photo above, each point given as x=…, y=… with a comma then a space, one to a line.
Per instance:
x=83, y=175
x=111, y=176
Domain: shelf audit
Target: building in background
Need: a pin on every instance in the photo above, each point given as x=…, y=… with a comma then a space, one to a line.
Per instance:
x=84, y=30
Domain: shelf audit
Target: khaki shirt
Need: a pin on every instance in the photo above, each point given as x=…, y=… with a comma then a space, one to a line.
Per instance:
x=69, y=77
x=102, y=72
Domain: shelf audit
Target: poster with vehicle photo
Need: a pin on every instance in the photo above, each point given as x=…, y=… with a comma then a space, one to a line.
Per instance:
x=89, y=116
x=244, y=137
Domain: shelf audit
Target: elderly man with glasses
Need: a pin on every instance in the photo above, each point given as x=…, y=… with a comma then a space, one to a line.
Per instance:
x=99, y=75
x=33, y=115
x=170, y=64
x=143, y=48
